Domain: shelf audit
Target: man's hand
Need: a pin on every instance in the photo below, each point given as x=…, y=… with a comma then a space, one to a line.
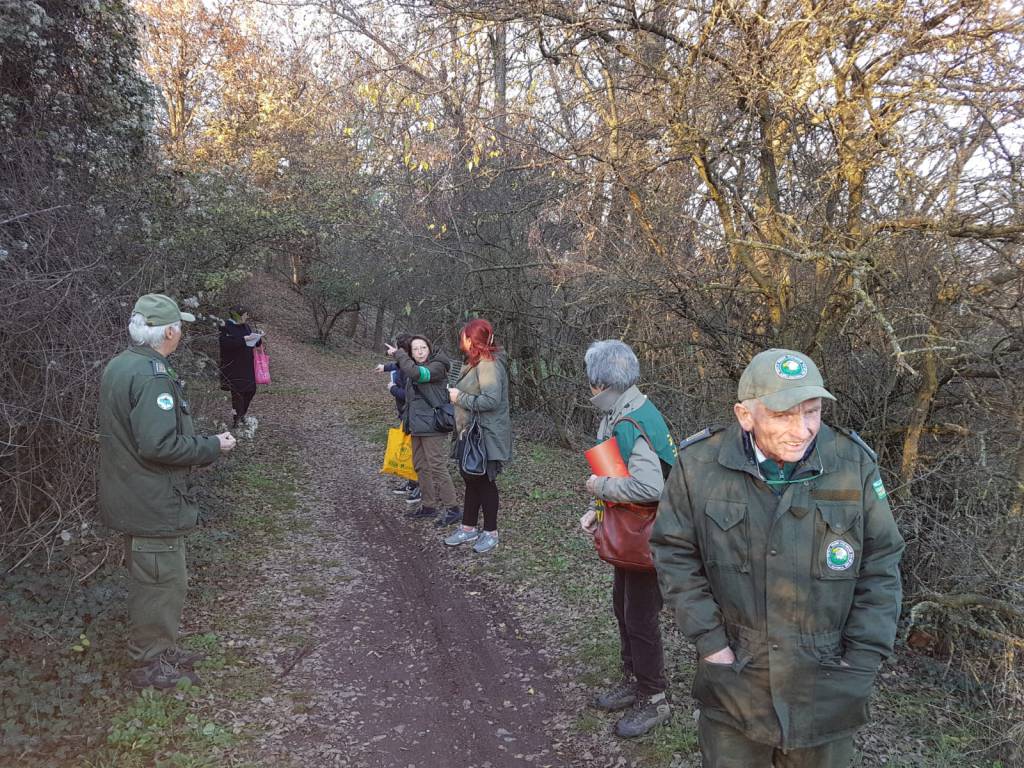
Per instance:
x=379, y=368
x=390, y=350
x=724, y=656
x=593, y=484
x=453, y=395
x=589, y=521
x=227, y=442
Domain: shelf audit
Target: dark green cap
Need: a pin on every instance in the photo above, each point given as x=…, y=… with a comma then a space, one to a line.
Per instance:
x=158, y=309
x=781, y=379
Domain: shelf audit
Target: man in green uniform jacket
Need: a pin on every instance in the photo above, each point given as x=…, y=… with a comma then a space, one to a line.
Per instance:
x=147, y=450
x=778, y=553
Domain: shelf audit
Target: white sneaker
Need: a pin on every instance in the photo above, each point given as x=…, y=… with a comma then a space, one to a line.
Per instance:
x=462, y=536
x=487, y=541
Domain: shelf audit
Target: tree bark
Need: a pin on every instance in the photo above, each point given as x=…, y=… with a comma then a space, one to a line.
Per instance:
x=352, y=323
x=378, y=330
x=918, y=418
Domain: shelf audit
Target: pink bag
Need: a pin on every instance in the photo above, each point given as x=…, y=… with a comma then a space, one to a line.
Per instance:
x=261, y=365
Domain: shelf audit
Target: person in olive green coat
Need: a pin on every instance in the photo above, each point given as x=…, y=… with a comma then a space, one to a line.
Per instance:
x=777, y=551
x=481, y=393
x=148, y=447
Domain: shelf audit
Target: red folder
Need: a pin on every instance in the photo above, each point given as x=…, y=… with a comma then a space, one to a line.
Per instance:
x=606, y=460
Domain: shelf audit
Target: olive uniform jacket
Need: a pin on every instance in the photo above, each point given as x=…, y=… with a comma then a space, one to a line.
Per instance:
x=484, y=392
x=148, y=447
x=803, y=585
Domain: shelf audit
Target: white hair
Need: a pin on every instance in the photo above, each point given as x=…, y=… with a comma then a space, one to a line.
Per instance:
x=148, y=335
x=611, y=364
x=752, y=404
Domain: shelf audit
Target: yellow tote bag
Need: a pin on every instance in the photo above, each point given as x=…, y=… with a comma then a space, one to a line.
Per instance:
x=398, y=455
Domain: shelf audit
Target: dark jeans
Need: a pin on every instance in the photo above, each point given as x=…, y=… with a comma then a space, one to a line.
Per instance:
x=637, y=601
x=481, y=493
x=240, y=403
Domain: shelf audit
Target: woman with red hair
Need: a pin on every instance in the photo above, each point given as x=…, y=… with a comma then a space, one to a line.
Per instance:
x=481, y=393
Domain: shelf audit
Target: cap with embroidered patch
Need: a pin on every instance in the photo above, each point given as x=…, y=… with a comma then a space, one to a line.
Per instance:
x=158, y=309
x=781, y=379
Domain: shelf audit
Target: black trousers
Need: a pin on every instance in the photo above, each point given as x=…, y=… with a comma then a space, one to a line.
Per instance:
x=481, y=493
x=240, y=403
x=637, y=601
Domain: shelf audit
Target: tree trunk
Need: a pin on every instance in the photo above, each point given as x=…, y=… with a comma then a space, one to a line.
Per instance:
x=1017, y=506
x=352, y=323
x=918, y=418
x=498, y=37
x=378, y=330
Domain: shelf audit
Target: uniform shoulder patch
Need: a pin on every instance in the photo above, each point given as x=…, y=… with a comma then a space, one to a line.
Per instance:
x=159, y=369
x=859, y=441
x=697, y=437
x=165, y=401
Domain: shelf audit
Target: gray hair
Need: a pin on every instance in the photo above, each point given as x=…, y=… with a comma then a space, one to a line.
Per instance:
x=148, y=335
x=612, y=364
x=752, y=404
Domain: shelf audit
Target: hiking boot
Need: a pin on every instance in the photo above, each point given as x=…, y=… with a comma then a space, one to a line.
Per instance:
x=422, y=512
x=621, y=696
x=487, y=541
x=451, y=515
x=414, y=496
x=180, y=657
x=161, y=675
x=646, y=712
x=462, y=536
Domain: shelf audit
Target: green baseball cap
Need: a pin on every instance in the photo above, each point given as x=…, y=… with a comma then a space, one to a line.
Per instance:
x=158, y=309
x=781, y=379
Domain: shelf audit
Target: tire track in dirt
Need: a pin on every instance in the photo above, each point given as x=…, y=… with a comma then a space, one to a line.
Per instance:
x=408, y=668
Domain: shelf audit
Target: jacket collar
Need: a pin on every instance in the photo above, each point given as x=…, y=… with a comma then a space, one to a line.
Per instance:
x=617, y=404
x=147, y=351
x=737, y=452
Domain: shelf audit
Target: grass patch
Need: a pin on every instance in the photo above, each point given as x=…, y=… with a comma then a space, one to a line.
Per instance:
x=65, y=698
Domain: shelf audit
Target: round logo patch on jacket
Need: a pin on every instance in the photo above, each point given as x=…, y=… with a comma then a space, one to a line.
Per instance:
x=164, y=402
x=839, y=556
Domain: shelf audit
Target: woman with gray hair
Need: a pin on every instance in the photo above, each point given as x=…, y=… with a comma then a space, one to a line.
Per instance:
x=648, y=454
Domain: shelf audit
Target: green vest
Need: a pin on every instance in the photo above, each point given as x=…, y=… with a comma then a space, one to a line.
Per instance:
x=649, y=418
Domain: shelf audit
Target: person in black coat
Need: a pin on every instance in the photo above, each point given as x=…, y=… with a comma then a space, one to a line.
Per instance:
x=237, y=341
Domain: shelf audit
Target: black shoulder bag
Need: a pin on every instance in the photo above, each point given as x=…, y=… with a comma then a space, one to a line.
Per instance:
x=470, y=451
x=444, y=414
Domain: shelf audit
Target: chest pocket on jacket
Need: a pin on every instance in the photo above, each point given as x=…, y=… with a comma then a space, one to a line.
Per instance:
x=840, y=541
x=727, y=533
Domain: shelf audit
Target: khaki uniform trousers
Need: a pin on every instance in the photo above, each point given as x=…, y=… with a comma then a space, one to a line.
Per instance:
x=158, y=580
x=725, y=747
x=430, y=458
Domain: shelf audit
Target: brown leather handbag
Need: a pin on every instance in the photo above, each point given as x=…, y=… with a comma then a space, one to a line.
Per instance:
x=623, y=534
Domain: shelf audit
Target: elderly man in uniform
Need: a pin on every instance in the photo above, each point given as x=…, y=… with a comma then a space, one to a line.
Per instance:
x=778, y=553
x=147, y=450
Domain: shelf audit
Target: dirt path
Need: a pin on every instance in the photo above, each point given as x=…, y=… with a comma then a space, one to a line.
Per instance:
x=405, y=666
